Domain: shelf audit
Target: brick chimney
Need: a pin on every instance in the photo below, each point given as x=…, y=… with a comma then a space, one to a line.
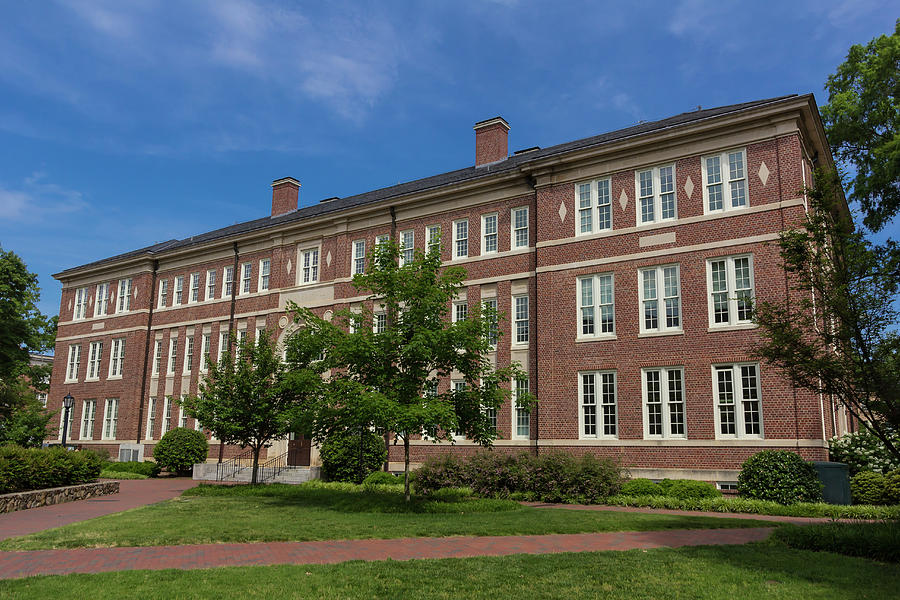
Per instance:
x=285, y=196
x=491, y=141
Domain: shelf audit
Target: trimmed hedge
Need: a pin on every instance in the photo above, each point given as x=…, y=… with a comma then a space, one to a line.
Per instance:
x=867, y=487
x=674, y=488
x=780, y=476
x=892, y=487
x=878, y=541
x=340, y=456
x=180, y=449
x=121, y=475
x=148, y=469
x=23, y=469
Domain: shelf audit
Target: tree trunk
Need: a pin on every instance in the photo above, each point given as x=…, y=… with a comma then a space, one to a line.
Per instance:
x=406, y=467
x=255, y=464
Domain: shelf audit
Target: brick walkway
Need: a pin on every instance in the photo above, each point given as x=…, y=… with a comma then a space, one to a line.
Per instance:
x=132, y=494
x=98, y=560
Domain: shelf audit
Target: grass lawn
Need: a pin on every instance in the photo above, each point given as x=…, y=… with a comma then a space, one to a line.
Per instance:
x=336, y=511
x=763, y=571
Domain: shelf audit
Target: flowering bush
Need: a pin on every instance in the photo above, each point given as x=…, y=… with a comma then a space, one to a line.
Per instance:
x=862, y=451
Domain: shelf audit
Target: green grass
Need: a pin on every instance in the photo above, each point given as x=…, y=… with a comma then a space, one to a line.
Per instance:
x=317, y=511
x=751, y=572
x=878, y=541
x=121, y=475
x=760, y=507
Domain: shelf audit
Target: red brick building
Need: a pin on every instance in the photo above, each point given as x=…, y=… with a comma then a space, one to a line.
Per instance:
x=624, y=263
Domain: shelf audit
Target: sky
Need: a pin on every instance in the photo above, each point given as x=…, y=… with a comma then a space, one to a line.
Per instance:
x=127, y=123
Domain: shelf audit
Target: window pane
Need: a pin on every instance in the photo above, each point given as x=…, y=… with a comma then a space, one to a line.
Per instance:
x=676, y=402
x=667, y=192
x=750, y=399
x=589, y=404
x=608, y=399
x=654, y=403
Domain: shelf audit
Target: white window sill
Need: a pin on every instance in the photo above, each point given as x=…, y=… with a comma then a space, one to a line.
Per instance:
x=738, y=327
x=518, y=347
x=657, y=222
x=70, y=381
x=113, y=377
x=663, y=438
x=722, y=211
x=725, y=438
x=87, y=379
x=598, y=338
x=601, y=438
x=648, y=334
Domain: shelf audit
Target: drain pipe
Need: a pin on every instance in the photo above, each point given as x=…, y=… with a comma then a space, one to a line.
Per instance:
x=234, y=276
x=146, y=353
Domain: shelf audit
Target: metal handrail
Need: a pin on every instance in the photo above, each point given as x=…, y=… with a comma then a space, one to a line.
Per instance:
x=270, y=469
x=233, y=466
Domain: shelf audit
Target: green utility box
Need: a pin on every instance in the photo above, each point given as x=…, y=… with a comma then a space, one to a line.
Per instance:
x=836, y=477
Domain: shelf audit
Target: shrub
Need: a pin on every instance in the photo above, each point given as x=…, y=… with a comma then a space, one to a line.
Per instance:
x=781, y=476
x=23, y=469
x=878, y=541
x=640, y=487
x=862, y=451
x=180, y=449
x=867, y=487
x=689, y=488
x=892, y=487
x=120, y=475
x=341, y=455
x=438, y=472
x=148, y=469
x=382, y=478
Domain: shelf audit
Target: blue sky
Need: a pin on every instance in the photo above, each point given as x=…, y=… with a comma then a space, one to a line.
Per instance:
x=127, y=123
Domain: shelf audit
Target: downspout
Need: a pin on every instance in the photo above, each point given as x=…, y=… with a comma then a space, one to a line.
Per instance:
x=534, y=386
x=146, y=353
x=387, y=434
x=234, y=276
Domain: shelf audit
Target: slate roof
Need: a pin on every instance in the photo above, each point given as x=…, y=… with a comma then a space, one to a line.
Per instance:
x=512, y=163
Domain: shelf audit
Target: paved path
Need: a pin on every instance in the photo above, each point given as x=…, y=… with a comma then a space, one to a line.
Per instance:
x=98, y=560
x=132, y=493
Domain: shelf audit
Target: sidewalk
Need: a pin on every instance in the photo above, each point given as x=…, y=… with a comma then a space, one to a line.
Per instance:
x=99, y=560
x=132, y=494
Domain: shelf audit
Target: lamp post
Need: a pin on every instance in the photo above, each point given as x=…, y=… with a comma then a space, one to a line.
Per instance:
x=68, y=403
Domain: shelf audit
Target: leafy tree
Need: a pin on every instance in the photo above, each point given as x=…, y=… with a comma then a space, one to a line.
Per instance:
x=862, y=121
x=384, y=366
x=243, y=399
x=836, y=335
x=27, y=425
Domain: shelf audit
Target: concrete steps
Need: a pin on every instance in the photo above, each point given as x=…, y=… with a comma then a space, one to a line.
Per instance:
x=291, y=475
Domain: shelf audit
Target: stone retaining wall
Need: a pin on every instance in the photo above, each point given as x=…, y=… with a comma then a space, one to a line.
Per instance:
x=35, y=498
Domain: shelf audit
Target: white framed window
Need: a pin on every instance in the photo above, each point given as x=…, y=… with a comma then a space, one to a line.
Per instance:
x=95, y=354
x=42, y=398
x=223, y=345
x=593, y=200
x=598, y=405
x=163, y=299
x=74, y=363
x=167, y=416
x=110, y=418
x=459, y=386
x=494, y=334
x=179, y=290
x=489, y=233
x=655, y=191
x=241, y=340
x=663, y=394
x=117, y=358
x=521, y=419
x=460, y=311
x=265, y=267
x=227, y=281
x=189, y=354
x=62, y=416
x=88, y=411
x=260, y=330
x=173, y=355
x=519, y=224
x=460, y=238
x=246, y=273
x=520, y=321
x=182, y=418
x=151, y=418
x=660, y=298
x=359, y=257
x=729, y=280
x=204, y=352
x=596, y=302
x=157, y=356
x=380, y=239
x=407, y=246
x=102, y=301
x=379, y=322
x=210, y=284
x=195, y=288
x=81, y=298
x=309, y=259
x=491, y=413
x=124, y=304
x=738, y=407
x=725, y=181
x=433, y=239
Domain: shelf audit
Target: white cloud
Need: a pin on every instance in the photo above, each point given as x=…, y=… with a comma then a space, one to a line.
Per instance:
x=36, y=199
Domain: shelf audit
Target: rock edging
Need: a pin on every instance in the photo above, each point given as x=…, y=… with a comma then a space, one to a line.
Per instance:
x=35, y=498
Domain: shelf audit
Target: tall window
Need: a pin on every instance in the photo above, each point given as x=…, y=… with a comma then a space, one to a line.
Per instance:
x=179, y=290
x=738, y=410
x=265, y=266
x=163, y=293
x=227, y=281
x=173, y=355
x=210, y=284
x=489, y=233
x=726, y=181
x=151, y=418
x=663, y=391
x=167, y=416
x=74, y=362
x=379, y=322
x=182, y=418
x=730, y=285
x=195, y=287
x=81, y=295
x=594, y=206
x=204, y=352
x=189, y=354
x=599, y=412
x=117, y=358
x=246, y=272
x=94, y=356
x=62, y=414
x=310, y=261
x=656, y=194
x=88, y=411
x=520, y=323
x=494, y=333
x=434, y=238
x=157, y=356
x=110, y=418
x=407, y=246
x=660, y=297
x=521, y=417
x=460, y=311
x=102, y=300
x=359, y=257
x=520, y=227
x=597, y=306
x=124, y=304
x=460, y=239
x=223, y=344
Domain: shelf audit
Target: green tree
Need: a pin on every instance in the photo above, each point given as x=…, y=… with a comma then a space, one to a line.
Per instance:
x=243, y=399
x=836, y=335
x=385, y=365
x=27, y=424
x=862, y=122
